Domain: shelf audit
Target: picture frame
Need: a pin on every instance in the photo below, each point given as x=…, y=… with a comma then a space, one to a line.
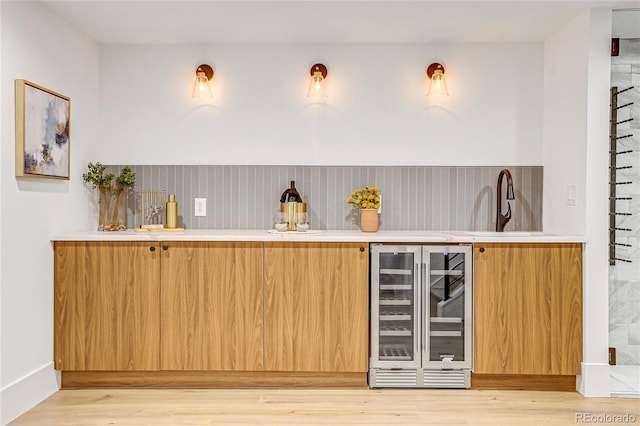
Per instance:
x=43, y=120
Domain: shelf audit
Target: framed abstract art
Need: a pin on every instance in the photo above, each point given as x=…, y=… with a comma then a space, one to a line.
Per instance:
x=42, y=132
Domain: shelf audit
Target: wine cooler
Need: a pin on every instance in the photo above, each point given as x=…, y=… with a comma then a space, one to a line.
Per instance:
x=421, y=316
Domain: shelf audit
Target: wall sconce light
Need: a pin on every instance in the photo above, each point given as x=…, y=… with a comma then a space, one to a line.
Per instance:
x=317, y=83
x=437, y=83
x=202, y=86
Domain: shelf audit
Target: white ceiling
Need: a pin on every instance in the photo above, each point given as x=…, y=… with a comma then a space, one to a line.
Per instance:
x=321, y=21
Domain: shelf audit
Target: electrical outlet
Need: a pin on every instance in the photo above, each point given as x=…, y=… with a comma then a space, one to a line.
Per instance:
x=571, y=195
x=200, y=207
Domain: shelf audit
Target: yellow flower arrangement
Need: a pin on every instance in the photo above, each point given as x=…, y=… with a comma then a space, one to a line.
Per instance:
x=366, y=198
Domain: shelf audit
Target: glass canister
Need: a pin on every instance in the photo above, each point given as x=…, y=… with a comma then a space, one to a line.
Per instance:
x=302, y=220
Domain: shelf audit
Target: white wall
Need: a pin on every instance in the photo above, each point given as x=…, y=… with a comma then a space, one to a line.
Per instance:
x=376, y=114
x=596, y=283
x=1, y=235
x=575, y=146
x=626, y=23
x=565, y=129
x=38, y=47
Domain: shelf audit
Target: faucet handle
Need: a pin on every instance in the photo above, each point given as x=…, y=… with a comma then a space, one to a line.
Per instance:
x=508, y=215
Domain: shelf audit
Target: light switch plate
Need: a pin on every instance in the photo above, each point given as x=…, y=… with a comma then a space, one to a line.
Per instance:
x=200, y=207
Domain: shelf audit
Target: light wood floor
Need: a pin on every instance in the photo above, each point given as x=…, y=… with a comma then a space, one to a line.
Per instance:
x=319, y=406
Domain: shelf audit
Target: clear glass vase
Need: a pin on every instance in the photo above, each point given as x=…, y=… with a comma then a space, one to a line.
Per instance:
x=112, y=215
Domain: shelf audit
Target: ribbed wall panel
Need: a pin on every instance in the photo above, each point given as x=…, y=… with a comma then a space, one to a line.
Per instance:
x=413, y=198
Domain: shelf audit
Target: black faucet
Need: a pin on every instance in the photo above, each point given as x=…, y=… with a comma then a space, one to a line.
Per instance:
x=502, y=220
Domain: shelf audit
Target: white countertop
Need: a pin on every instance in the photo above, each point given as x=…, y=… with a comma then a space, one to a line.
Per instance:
x=442, y=237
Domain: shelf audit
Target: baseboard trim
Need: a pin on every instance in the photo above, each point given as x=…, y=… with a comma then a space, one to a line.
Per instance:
x=26, y=392
x=209, y=379
x=595, y=381
x=523, y=381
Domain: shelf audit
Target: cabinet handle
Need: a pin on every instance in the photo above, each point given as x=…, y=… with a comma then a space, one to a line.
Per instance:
x=481, y=249
x=152, y=248
x=165, y=248
x=361, y=249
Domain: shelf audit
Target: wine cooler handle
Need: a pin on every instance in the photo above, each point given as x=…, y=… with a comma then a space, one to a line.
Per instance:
x=423, y=314
x=418, y=317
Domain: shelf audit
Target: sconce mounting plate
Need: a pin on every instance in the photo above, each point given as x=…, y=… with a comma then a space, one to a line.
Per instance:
x=206, y=69
x=433, y=67
x=319, y=67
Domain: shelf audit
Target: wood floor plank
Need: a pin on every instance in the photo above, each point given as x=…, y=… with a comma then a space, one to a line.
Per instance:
x=319, y=406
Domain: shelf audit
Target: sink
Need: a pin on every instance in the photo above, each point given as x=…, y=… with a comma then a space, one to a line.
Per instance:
x=505, y=234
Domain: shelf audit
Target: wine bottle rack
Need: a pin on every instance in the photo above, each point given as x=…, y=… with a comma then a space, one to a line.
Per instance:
x=614, y=136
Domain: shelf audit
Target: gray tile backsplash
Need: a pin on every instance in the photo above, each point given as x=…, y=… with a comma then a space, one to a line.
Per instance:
x=413, y=198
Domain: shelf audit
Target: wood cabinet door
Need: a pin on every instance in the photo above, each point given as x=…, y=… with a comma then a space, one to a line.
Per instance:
x=316, y=307
x=106, y=306
x=212, y=315
x=528, y=308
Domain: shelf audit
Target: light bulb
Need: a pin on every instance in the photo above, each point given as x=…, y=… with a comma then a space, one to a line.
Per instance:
x=317, y=78
x=202, y=79
x=202, y=84
x=437, y=85
x=317, y=86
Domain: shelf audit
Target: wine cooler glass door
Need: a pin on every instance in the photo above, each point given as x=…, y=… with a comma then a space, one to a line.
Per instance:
x=395, y=314
x=447, y=316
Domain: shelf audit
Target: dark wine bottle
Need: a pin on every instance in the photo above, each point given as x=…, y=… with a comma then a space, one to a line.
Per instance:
x=291, y=194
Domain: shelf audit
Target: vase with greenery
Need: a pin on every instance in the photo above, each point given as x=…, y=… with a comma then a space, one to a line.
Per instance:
x=112, y=215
